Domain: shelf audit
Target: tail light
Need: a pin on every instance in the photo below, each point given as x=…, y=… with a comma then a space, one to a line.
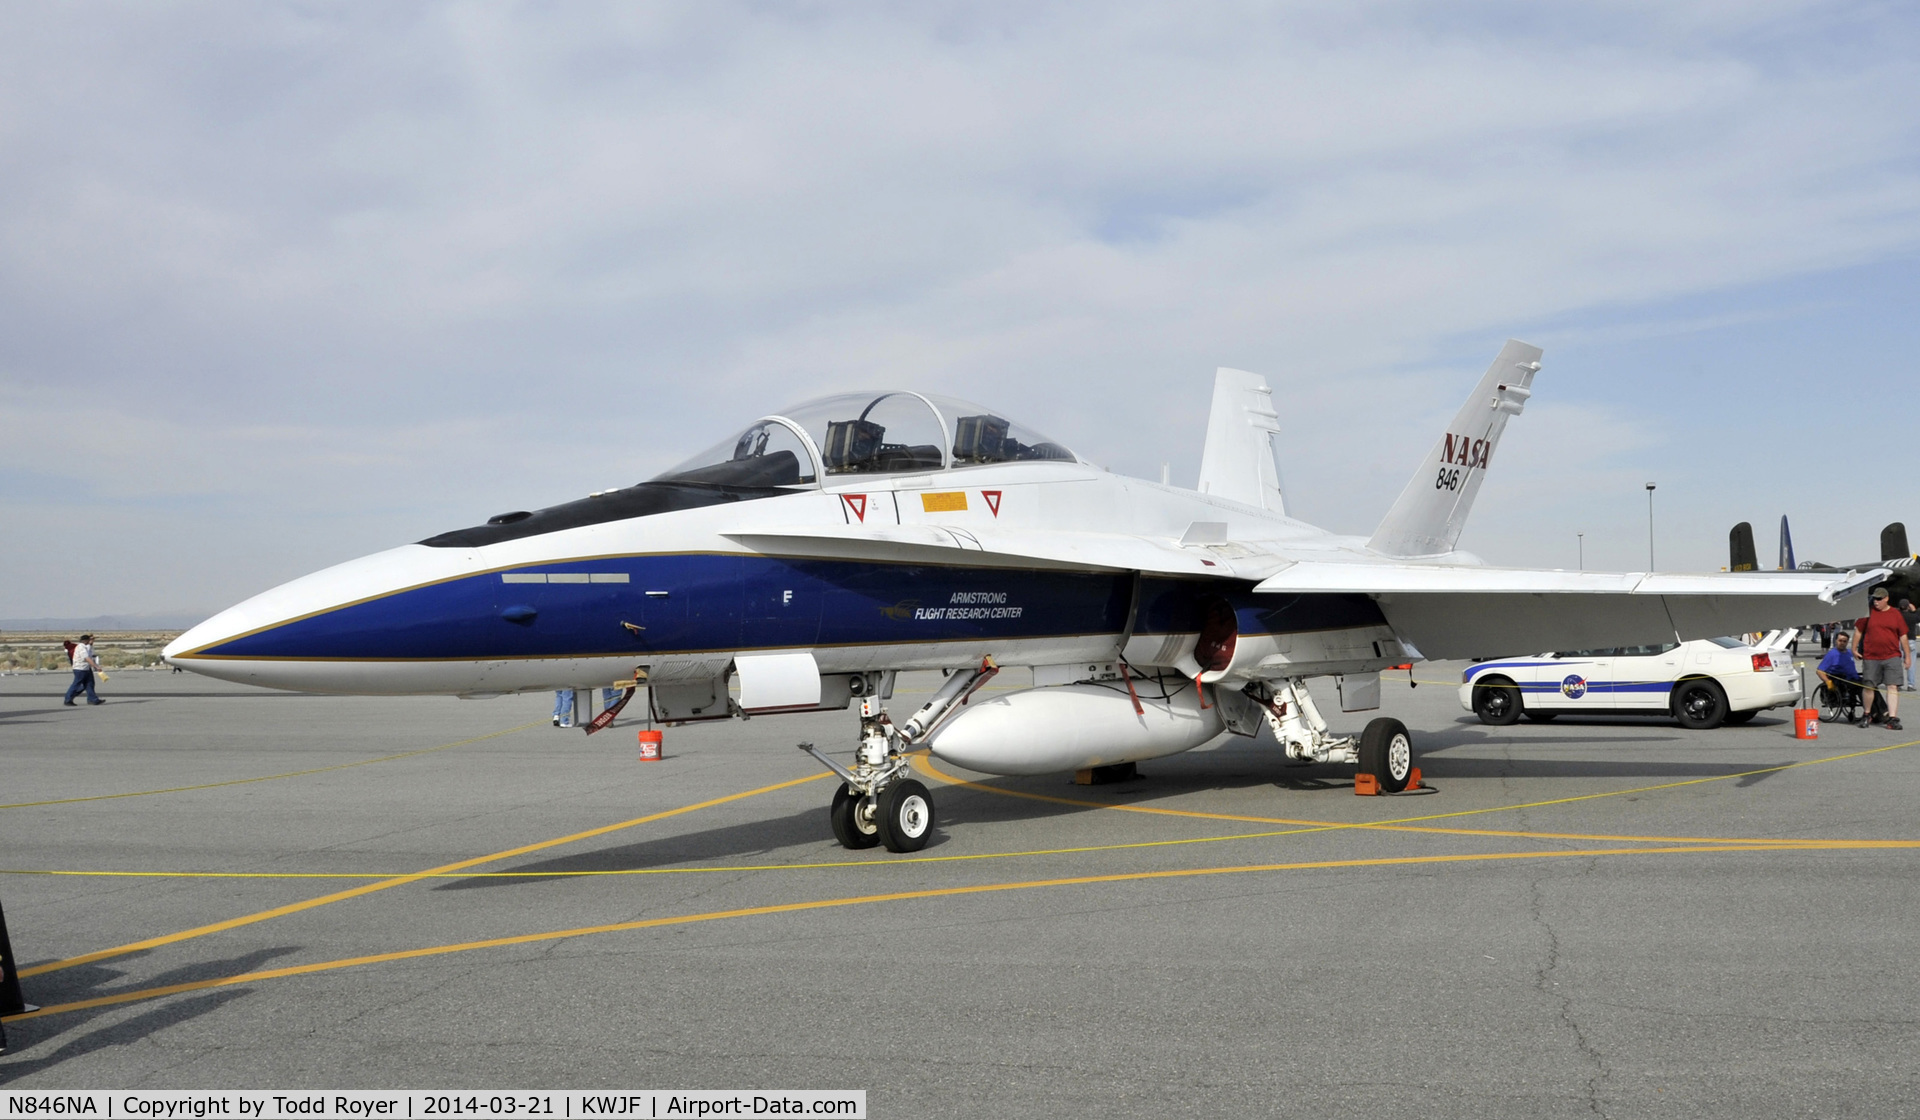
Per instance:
x=1762, y=663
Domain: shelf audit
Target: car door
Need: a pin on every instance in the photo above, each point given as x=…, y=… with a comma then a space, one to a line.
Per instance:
x=1643, y=675
x=1580, y=680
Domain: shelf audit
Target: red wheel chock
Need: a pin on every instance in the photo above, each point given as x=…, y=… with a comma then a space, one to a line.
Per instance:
x=1366, y=785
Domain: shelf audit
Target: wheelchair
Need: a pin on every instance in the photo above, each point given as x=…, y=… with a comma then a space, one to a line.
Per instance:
x=1841, y=702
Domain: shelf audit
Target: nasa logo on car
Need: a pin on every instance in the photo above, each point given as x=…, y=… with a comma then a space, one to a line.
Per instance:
x=1573, y=688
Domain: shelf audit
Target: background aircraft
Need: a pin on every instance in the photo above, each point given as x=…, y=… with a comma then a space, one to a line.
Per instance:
x=1902, y=566
x=824, y=549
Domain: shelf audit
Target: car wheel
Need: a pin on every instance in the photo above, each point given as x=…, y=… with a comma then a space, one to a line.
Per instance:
x=1386, y=752
x=1734, y=718
x=1496, y=701
x=1699, y=704
x=1542, y=717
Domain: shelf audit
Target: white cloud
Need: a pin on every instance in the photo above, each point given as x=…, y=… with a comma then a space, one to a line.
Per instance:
x=539, y=250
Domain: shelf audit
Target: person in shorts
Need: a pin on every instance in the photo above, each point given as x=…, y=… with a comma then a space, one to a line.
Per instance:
x=1885, y=652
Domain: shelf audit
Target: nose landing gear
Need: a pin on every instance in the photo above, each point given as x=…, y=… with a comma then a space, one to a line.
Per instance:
x=876, y=802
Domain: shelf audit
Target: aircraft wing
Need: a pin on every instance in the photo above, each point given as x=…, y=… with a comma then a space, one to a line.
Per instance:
x=986, y=548
x=1448, y=611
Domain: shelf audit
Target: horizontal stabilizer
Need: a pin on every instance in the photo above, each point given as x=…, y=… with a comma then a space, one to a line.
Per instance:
x=1493, y=612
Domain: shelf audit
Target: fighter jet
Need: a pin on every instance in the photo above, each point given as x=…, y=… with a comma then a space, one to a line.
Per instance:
x=802, y=563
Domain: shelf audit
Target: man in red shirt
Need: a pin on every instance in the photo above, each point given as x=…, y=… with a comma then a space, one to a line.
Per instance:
x=1885, y=654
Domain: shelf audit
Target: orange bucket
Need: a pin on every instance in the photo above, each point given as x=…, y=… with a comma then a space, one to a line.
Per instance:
x=1806, y=723
x=652, y=746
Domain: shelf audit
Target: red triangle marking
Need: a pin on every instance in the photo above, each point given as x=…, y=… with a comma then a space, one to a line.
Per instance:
x=993, y=500
x=858, y=504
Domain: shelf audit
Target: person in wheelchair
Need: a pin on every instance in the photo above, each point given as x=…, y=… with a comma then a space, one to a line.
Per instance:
x=1839, y=680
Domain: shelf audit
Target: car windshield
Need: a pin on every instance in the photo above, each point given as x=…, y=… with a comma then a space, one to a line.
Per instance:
x=1728, y=643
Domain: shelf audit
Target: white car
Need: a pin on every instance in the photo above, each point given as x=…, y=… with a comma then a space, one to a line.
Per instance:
x=1701, y=684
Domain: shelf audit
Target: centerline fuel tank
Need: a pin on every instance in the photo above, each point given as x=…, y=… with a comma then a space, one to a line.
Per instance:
x=1075, y=726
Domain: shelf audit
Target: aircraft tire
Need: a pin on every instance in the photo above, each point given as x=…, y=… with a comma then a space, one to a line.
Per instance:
x=1497, y=702
x=1699, y=704
x=1386, y=752
x=906, y=816
x=849, y=827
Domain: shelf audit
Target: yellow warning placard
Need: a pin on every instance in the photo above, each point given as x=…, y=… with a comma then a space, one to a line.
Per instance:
x=944, y=503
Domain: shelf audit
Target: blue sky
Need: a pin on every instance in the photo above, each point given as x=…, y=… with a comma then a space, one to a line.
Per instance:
x=284, y=284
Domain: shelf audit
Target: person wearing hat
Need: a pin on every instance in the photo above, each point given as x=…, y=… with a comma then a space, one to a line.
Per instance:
x=84, y=664
x=1885, y=652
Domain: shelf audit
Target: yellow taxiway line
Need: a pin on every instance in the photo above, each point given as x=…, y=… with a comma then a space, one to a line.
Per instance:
x=869, y=899
x=397, y=881
x=1413, y=824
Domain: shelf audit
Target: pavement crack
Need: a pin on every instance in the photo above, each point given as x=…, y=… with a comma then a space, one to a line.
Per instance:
x=1546, y=983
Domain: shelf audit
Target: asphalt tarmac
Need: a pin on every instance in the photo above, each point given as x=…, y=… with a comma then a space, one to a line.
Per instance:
x=259, y=890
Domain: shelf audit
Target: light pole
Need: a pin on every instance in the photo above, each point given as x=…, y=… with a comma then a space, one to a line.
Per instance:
x=1649, y=526
x=1583, y=550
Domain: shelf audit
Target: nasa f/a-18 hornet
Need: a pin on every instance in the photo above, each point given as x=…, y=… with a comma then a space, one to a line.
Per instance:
x=801, y=564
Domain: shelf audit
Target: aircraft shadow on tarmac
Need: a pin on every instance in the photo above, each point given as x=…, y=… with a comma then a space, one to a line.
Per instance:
x=774, y=839
x=95, y=980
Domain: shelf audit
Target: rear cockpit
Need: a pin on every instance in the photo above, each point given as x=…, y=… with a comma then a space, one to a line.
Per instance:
x=830, y=439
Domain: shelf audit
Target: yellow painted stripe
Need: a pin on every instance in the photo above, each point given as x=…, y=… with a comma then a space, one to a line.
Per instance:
x=927, y=767
x=1409, y=824
x=272, y=777
x=896, y=861
x=863, y=900
x=400, y=880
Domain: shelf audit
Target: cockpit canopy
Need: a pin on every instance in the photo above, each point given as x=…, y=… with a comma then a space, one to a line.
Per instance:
x=865, y=434
x=853, y=434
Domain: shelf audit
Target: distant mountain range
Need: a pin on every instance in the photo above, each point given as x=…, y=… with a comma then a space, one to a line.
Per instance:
x=106, y=622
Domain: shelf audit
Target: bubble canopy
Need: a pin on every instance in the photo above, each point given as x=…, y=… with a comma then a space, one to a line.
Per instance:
x=880, y=432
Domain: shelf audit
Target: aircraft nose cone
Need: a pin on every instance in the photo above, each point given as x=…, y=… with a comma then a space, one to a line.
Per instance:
x=337, y=630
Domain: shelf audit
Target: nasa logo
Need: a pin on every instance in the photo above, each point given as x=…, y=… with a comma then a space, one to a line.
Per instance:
x=1463, y=452
x=1573, y=688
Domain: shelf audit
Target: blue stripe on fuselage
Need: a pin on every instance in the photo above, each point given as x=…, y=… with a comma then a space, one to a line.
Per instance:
x=727, y=602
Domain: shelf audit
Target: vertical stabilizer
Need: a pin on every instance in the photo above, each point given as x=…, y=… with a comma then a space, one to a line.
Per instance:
x=1238, y=462
x=1786, y=546
x=1741, y=556
x=1893, y=542
x=1432, y=510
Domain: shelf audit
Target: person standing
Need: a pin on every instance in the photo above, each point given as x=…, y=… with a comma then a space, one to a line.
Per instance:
x=1913, y=634
x=1885, y=652
x=84, y=665
x=563, y=708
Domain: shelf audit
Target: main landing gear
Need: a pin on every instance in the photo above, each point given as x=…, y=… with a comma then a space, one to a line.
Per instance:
x=1384, y=749
x=876, y=802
